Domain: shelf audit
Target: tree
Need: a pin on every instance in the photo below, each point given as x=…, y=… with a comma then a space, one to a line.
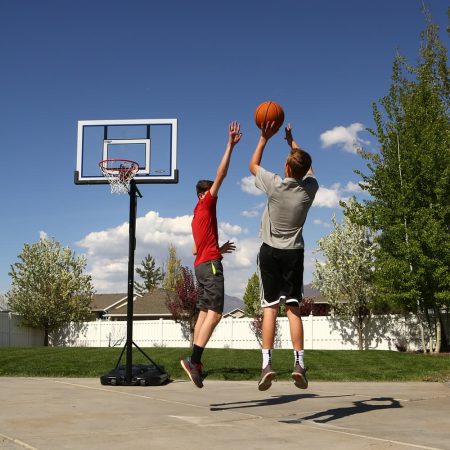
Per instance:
x=151, y=275
x=173, y=270
x=345, y=279
x=409, y=181
x=49, y=289
x=252, y=296
x=252, y=300
x=183, y=305
x=3, y=303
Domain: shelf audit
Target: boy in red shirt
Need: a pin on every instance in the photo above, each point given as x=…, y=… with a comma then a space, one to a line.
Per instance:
x=208, y=261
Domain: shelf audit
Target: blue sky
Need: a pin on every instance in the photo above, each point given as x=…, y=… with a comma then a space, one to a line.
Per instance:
x=204, y=63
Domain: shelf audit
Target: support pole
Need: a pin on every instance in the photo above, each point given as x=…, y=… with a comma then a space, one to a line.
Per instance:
x=134, y=191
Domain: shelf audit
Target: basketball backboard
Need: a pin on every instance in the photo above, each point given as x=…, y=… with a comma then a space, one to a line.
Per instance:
x=152, y=143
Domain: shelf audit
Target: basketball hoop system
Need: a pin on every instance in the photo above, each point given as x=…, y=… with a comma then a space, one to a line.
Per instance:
x=119, y=173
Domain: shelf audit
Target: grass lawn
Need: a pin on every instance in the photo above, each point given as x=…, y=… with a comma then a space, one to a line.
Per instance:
x=229, y=364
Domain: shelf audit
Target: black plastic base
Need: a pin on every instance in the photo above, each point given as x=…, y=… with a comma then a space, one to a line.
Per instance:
x=141, y=375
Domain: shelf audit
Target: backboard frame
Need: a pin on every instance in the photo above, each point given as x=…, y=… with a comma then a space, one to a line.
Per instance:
x=145, y=177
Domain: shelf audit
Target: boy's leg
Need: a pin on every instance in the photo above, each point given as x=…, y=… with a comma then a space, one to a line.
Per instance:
x=268, y=326
x=203, y=332
x=296, y=329
x=268, y=338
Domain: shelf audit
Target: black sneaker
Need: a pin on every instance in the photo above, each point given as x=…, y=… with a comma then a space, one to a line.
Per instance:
x=194, y=371
x=299, y=377
x=267, y=375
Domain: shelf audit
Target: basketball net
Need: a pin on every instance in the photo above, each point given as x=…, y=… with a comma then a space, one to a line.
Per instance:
x=119, y=173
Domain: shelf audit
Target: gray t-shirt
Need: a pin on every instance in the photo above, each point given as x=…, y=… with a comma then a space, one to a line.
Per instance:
x=288, y=203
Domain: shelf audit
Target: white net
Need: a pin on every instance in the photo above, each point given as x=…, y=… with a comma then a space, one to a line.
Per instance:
x=119, y=173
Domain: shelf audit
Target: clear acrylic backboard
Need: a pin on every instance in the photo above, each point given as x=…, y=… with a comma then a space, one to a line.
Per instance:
x=152, y=143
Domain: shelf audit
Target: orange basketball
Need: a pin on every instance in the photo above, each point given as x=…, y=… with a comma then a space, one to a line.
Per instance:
x=269, y=112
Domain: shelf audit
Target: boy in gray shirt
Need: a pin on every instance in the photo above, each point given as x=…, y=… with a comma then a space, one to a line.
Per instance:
x=280, y=259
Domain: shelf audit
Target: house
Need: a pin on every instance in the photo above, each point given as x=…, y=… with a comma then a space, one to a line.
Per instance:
x=145, y=307
x=236, y=313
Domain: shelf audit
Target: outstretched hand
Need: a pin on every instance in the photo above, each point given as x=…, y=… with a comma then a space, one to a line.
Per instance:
x=288, y=134
x=234, y=133
x=228, y=247
x=268, y=130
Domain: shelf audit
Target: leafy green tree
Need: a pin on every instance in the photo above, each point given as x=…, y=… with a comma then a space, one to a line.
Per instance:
x=151, y=275
x=48, y=288
x=409, y=182
x=345, y=279
x=173, y=270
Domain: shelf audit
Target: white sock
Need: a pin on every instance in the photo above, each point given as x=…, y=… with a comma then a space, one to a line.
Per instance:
x=267, y=357
x=298, y=357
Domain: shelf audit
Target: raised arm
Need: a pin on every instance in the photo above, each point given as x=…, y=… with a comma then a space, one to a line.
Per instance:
x=266, y=133
x=234, y=136
x=290, y=140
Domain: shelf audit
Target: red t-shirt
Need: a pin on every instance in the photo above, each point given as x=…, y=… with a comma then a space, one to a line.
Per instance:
x=204, y=230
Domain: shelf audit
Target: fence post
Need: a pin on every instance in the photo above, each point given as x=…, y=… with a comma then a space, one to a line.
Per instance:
x=9, y=329
x=311, y=335
x=99, y=333
x=231, y=332
x=161, y=331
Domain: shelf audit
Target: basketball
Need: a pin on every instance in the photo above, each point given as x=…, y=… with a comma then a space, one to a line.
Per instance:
x=269, y=112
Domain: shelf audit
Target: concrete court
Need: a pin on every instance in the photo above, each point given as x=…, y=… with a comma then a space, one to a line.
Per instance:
x=69, y=413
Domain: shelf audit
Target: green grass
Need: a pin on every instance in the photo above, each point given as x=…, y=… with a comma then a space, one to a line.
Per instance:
x=229, y=364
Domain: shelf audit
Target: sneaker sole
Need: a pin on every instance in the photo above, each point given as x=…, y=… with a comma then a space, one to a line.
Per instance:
x=189, y=373
x=299, y=380
x=266, y=381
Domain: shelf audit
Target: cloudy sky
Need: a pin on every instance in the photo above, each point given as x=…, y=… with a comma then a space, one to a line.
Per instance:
x=325, y=62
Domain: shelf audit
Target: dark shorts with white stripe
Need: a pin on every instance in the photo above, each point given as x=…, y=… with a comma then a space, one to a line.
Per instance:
x=281, y=275
x=211, y=283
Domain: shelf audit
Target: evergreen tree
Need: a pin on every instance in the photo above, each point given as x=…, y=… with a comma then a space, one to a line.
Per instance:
x=252, y=296
x=151, y=275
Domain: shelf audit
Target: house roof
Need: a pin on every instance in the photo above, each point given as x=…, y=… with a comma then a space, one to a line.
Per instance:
x=153, y=304
x=104, y=302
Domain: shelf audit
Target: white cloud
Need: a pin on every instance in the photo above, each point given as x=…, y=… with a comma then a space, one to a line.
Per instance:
x=352, y=187
x=330, y=197
x=254, y=211
x=320, y=222
x=248, y=185
x=250, y=213
x=107, y=251
x=345, y=137
x=228, y=229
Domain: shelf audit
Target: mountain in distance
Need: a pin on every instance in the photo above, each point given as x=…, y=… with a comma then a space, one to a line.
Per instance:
x=232, y=303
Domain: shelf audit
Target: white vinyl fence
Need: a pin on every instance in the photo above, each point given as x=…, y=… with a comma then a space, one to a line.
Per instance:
x=321, y=333
x=13, y=334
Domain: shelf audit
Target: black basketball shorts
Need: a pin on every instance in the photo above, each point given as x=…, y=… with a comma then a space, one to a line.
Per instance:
x=281, y=275
x=210, y=280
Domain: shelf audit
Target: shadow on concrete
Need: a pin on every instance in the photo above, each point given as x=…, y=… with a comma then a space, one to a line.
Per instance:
x=358, y=407
x=270, y=401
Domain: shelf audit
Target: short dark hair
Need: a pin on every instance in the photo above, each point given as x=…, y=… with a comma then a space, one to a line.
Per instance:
x=299, y=162
x=203, y=186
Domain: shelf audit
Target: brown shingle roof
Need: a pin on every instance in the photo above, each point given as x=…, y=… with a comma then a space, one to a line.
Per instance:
x=153, y=304
x=101, y=302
